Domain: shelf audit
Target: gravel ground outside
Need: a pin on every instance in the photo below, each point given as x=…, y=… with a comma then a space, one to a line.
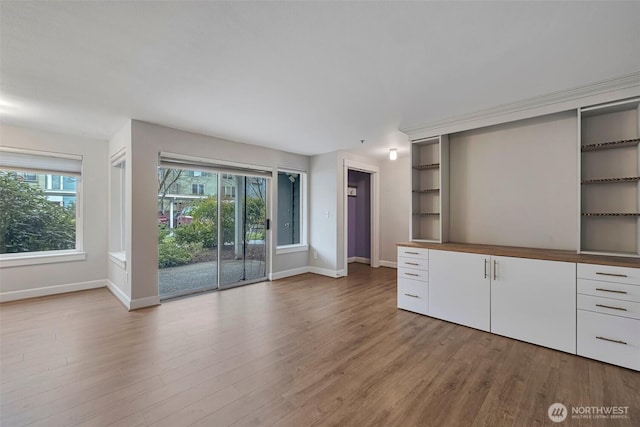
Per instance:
x=179, y=280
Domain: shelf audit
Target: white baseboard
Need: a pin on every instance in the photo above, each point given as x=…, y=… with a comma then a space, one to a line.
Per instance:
x=51, y=290
x=124, y=299
x=144, y=302
x=389, y=264
x=326, y=272
x=130, y=304
x=288, y=273
x=362, y=260
x=351, y=259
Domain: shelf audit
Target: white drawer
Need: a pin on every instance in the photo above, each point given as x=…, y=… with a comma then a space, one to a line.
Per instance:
x=413, y=296
x=413, y=274
x=416, y=263
x=609, y=306
x=610, y=339
x=607, y=273
x=612, y=290
x=408, y=252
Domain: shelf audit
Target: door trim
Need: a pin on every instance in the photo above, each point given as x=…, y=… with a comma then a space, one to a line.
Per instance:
x=374, y=171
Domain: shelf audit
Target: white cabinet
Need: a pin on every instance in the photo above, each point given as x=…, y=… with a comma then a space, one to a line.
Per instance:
x=413, y=279
x=459, y=288
x=534, y=301
x=609, y=314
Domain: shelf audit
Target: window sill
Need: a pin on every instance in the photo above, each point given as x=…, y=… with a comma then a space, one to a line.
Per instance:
x=18, y=260
x=119, y=259
x=291, y=249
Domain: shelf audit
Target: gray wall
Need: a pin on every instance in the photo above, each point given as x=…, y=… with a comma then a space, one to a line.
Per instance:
x=515, y=184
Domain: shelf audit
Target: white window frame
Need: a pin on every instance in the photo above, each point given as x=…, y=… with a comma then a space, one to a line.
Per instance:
x=303, y=246
x=118, y=254
x=47, y=257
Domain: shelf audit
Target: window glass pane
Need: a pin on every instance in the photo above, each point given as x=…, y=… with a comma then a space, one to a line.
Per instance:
x=36, y=218
x=69, y=183
x=289, y=208
x=55, y=182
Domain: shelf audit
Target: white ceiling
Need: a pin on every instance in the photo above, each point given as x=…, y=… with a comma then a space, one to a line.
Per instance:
x=304, y=77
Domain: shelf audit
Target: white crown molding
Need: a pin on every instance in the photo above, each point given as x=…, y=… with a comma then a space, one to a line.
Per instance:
x=580, y=96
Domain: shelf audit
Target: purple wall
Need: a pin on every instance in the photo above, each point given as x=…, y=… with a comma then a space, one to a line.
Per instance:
x=359, y=209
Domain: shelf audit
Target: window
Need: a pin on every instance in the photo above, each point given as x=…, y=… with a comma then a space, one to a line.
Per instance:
x=29, y=177
x=291, y=228
x=197, y=189
x=39, y=197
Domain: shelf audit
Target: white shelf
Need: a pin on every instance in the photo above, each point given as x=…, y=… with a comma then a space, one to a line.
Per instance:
x=429, y=189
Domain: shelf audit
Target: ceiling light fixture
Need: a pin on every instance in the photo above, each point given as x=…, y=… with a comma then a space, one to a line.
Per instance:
x=393, y=153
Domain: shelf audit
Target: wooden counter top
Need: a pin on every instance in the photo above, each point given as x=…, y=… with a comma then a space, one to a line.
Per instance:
x=518, y=252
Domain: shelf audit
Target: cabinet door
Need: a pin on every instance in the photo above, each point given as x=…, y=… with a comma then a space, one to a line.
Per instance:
x=459, y=288
x=534, y=301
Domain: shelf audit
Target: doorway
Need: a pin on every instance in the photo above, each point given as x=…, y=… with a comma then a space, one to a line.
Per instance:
x=211, y=230
x=359, y=217
x=372, y=173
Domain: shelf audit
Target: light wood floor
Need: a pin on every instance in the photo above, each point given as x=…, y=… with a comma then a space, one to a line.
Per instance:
x=307, y=350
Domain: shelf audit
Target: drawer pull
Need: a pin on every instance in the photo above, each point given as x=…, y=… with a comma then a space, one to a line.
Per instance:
x=411, y=263
x=612, y=308
x=611, y=290
x=611, y=274
x=412, y=274
x=412, y=253
x=412, y=296
x=610, y=340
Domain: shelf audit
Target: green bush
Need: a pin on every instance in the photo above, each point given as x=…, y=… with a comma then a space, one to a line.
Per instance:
x=196, y=232
x=204, y=225
x=172, y=254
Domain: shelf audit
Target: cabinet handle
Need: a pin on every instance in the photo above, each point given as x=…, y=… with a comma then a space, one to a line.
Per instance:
x=612, y=308
x=412, y=274
x=610, y=340
x=411, y=263
x=412, y=296
x=412, y=253
x=611, y=290
x=495, y=267
x=611, y=274
x=485, y=268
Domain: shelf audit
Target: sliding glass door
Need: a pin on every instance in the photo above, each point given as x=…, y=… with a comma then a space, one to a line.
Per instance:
x=243, y=253
x=211, y=230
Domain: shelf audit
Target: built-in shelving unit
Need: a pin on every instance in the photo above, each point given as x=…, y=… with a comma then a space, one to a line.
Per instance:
x=429, y=189
x=610, y=178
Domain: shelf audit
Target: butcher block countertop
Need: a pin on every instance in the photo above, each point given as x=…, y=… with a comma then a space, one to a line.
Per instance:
x=518, y=252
